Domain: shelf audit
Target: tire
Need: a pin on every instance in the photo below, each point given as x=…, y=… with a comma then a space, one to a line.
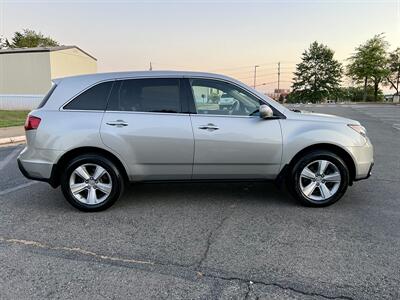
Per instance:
x=91, y=183
x=324, y=188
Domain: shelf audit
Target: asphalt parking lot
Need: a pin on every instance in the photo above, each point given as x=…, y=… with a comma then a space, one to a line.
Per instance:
x=208, y=241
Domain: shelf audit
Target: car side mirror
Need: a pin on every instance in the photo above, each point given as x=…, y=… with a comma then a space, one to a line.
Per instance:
x=265, y=111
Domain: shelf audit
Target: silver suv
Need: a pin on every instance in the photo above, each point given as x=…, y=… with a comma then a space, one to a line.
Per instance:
x=93, y=134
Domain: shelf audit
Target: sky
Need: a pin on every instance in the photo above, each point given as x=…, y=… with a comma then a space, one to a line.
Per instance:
x=228, y=37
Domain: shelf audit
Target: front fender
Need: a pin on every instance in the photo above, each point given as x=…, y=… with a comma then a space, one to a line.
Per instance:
x=298, y=135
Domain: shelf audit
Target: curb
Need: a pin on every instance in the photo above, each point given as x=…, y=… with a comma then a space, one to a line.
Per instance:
x=13, y=139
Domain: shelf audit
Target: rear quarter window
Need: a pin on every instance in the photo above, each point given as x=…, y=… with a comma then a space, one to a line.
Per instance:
x=47, y=97
x=94, y=98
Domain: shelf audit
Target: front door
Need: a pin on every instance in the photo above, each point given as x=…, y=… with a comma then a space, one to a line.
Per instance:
x=231, y=140
x=145, y=125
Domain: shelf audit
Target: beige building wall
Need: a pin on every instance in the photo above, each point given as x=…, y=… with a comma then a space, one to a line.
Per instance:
x=71, y=62
x=25, y=73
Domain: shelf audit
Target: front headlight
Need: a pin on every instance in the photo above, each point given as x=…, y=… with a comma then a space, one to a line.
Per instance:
x=360, y=129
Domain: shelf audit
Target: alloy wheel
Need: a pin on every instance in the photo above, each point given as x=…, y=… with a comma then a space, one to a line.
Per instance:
x=320, y=180
x=90, y=184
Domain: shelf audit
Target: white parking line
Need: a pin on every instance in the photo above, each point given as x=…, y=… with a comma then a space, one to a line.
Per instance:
x=389, y=120
x=16, y=188
x=390, y=116
x=9, y=157
x=383, y=116
x=74, y=250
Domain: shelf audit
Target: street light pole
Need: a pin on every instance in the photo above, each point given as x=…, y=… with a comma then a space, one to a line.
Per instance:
x=279, y=76
x=255, y=75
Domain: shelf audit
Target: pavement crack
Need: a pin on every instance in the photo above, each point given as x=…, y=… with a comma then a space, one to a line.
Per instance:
x=210, y=239
x=249, y=290
x=111, y=259
x=250, y=284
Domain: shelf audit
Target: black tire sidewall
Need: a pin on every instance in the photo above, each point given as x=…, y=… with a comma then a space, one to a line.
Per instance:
x=318, y=155
x=116, y=178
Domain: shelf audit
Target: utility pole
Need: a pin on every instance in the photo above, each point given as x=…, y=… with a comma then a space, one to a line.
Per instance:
x=255, y=75
x=279, y=76
x=151, y=67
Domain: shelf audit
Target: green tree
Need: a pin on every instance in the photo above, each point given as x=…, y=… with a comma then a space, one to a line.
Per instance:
x=4, y=44
x=393, y=77
x=317, y=76
x=29, y=38
x=356, y=94
x=369, y=64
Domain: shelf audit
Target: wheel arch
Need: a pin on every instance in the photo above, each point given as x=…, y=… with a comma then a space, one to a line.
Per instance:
x=339, y=151
x=67, y=156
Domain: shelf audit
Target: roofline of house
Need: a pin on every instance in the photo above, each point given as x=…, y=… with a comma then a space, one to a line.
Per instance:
x=43, y=49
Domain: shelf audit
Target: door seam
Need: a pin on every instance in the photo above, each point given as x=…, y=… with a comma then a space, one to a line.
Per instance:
x=194, y=146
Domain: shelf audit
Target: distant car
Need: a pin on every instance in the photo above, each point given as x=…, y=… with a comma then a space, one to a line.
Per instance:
x=92, y=134
x=226, y=102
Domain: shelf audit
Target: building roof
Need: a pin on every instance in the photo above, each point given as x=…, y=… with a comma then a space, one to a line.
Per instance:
x=42, y=49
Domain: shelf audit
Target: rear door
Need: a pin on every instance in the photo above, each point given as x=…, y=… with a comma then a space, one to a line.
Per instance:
x=147, y=124
x=232, y=142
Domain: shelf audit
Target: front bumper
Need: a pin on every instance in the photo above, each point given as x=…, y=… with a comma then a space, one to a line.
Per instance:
x=368, y=175
x=363, y=157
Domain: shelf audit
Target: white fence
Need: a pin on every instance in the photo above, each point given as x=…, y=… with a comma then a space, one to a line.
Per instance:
x=19, y=102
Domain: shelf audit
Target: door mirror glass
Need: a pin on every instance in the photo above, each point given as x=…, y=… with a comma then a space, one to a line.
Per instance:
x=265, y=111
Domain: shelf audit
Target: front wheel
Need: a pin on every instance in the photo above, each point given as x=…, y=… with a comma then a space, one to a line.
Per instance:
x=91, y=183
x=320, y=178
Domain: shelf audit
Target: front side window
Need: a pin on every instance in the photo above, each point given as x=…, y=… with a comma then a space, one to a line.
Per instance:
x=222, y=98
x=146, y=95
x=94, y=98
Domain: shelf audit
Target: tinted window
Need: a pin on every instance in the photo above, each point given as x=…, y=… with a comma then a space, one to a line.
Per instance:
x=222, y=98
x=47, y=97
x=95, y=98
x=146, y=95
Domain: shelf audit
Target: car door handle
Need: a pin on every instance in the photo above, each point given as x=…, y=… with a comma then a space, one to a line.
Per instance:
x=118, y=123
x=209, y=127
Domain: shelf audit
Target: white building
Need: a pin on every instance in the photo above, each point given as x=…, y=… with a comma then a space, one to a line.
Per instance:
x=26, y=73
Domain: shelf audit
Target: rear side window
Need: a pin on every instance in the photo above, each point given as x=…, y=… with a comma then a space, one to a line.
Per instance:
x=47, y=97
x=94, y=98
x=146, y=95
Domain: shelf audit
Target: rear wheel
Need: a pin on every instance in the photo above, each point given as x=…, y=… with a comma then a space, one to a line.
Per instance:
x=91, y=183
x=320, y=178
